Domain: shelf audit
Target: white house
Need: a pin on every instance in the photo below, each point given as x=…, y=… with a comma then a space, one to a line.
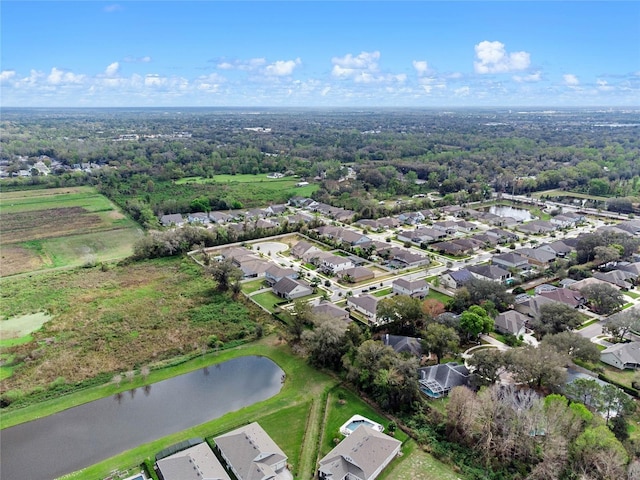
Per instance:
x=413, y=288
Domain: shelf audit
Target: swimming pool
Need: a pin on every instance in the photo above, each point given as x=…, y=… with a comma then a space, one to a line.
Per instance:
x=357, y=420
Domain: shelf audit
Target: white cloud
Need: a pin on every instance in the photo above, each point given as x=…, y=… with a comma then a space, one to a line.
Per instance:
x=354, y=66
x=245, y=65
x=325, y=91
x=570, y=80
x=462, y=92
x=114, y=7
x=59, y=77
x=112, y=69
x=421, y=66
x=533, y=77
x=282, y=67
x=604, y=86
x=153, y=79
x=130, y=59
x=492, y=57
x=6, y=75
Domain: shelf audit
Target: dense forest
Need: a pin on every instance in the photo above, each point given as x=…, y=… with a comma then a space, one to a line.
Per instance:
x=136, y=157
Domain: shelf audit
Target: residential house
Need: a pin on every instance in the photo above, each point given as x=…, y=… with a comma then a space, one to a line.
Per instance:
x=291, y=289
x=329, y=310
x=276, y=209
x=619, y=278
x=632, y=268
x=172, y=220
x=333, y=264
x=563, y=221
x=362, y=455
x=537, y=227
x=622, y=355
x=580, y=284
x=559, y=248
x=449, y=248
x=367, y=223
x=464, y=226
x=454, y=279
x=503, y=236
x=199, y=217
x=411, y=218
x=565, y=295
x=253, y=267
x=251, y=454
x=365, y=304
x=420, y=235
x=218, y=217
x=389, y=222
x=194, y=463
x=437, y=380
x=448, y=226
x=493, y=273
x=537, y=256
x=401, y=344
x=510, y=260
x=275, y=273
x=532, y=306
x=402, y=258
x=357, y=274
x=469, y=244
x=300, y=249
x=413, y=288
x=351, y=238
x=510, y=322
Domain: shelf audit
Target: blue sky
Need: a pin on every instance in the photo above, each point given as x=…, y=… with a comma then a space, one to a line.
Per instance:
x=327, y=53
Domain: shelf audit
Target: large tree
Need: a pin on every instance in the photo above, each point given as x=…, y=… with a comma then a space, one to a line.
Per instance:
x=574, y=345
x=402, y=313
x=620, y=324
x=326, y=343
x=603, y=298
x=487, y=364
x=554, y=318
x=537, y=366
x=440, y=340
x=225, y=273
x=475, y=321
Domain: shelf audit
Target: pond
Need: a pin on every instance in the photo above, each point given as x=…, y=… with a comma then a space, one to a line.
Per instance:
x=519, y=214
x=84, y=435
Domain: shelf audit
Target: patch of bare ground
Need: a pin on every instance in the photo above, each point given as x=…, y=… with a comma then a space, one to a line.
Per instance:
x=50, y=223
x=17, y=259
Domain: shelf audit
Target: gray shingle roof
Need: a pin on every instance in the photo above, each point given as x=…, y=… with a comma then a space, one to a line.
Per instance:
x=251, y=452
x=361, y=454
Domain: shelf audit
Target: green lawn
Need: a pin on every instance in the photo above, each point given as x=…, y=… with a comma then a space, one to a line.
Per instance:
x=383, y=292
x=267, y=300
x=632, y=294
x=253, y=286
x=342, y=404
x=416, y=464
x=441, y=297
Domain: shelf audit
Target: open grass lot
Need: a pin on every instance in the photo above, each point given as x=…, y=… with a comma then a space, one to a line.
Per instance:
x=61, y=227
x=245, y=187
x=109, y=321
x=441, y=297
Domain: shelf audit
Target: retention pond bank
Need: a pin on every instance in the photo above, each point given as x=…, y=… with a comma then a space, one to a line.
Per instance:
x=53, y=446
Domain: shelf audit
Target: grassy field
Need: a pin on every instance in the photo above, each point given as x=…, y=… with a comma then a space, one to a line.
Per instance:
x=61, y=227
x=239, y=185
x=109, y=321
